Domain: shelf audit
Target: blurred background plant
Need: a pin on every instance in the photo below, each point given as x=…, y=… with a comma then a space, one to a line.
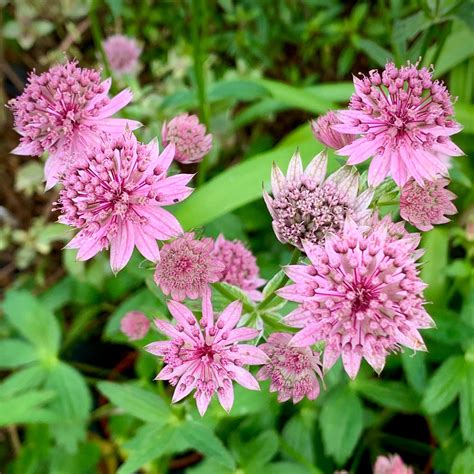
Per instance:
x=76, y=395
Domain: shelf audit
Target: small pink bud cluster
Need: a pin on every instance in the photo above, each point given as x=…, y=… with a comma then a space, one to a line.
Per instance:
x=135, y=325
x=122, y=54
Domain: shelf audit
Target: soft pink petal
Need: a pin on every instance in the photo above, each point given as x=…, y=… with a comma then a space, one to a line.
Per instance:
x=121, y=246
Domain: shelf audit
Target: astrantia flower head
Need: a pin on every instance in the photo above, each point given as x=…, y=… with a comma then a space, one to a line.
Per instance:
x=240, y=266
x=324, y=132
x=292, y=371
x=115, y=196
x=135, y=325
x=187, y=267
x=64, y=111
x=391, y=465
x=189, y=137
x=122, y=53
x=361, y=294
x=423, y=206
x=306, y=207
x=206, y=356
x=404, y=119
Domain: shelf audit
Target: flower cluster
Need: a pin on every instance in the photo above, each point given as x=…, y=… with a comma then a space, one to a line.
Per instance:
x=392, y=464
x=122, y=54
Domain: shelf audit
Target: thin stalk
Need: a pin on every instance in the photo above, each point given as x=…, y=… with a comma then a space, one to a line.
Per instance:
x=97, y=36
x=266, y=301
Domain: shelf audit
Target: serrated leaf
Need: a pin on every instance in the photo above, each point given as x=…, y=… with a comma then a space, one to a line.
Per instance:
x=27, y=408
x=136, y=401
x=15, y=353
x=23, y=380
x=341, y=423
x=444, y=385
x=395, y=395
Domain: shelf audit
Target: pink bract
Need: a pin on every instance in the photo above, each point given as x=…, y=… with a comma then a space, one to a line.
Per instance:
x=324, y=132
x=392, y=464
x=307, y=206
x=240, y=266
x=404, y=120
x=423, y=206
x=361, y=293
x=135, y=325
x=189, y=137
x=64, y=111
x=293, y=371
x=122, y=53
x=187, y=267
x=116, y=197
x=206, y=355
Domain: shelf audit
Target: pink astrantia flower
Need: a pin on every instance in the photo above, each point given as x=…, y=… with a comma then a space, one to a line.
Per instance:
x=293, y=371
x=122, y=53
x=206, y=355
x=423, y=206
x=64, y=111
x=404, y=121
x=135, y=325
x=324, y=132
x=189, y=137
x=115, y=196
x=361, y=293
x=305, y=206
x=240, y=266
x=187, y=267
x=391, y=465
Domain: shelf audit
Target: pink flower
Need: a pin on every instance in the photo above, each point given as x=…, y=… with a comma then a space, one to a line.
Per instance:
x=187, y=267
x=189, y=137
x=240, y=266
x=307, y=207
x=324, y=132
x=135, y=325
x=404, y=121
x=206, y=355
x=361, y=294
x=122, y=53
x=391, y=465
x=115, y=197
x=423, y=206
x=292, y=370
x=63, y=111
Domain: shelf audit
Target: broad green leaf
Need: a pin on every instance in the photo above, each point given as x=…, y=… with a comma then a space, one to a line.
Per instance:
x=395, y=395
x=15, y=353
x=298, y=435
x=34, y=321
x=240, y=184
x=22, y=381
x=234, y=293
x=464, y=115
x=444, y=385
x=415, y=369
x=274, y=283
x=136, y=401
x=283, y=467
x=260, y=450
x=435, y=261
x=374, y=51
x=27, y=408
x=58, y=295
x=203, y=439
x=83, y=461
x=341, y=423
x=150, y=442
x=464, y=462
x=466, y=400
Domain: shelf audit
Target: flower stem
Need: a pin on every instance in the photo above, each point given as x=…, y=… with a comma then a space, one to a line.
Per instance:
x=97, y=36
x=266, y=301
x=387, y=203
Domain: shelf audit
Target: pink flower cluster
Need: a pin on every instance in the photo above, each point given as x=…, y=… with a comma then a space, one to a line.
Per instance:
x=122, y=54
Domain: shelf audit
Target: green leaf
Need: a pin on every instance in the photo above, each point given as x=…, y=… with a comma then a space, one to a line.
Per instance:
x=341, y=423
x=395, y=395
x=374, y=51
x=143, y=404
x=82, y=461
x=466, y=400
x=240, y=184
x=274, y=283
x=464, y=462
x=234, y=293
x=445, y=384
x=287, y=468
x=203, y=439
x=464, y=114
x=22, y=380
x=435, y=261
x=260, y=450
x=34, y=321
x=298, y=435
x=415, y=370
x=27, y=408
x=116, y=7
x=15, y=353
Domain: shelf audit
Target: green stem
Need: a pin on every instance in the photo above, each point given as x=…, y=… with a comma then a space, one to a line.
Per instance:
x=266, y=301
x=199, y=47
x=228, y=295
x=387, y=203
x=97, y=36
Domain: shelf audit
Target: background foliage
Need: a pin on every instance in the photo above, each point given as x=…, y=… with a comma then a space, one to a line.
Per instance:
x=75, y=396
